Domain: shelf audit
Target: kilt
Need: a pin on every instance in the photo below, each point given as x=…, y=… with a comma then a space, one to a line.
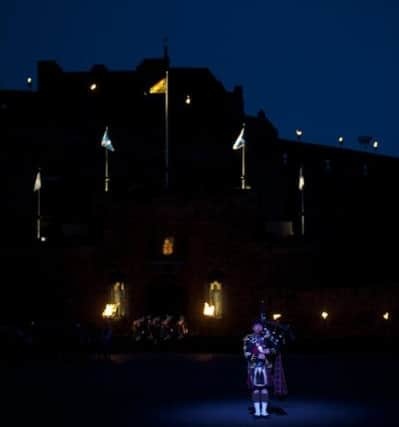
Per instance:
x=257, y=380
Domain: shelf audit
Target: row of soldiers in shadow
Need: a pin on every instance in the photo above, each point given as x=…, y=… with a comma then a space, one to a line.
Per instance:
x=156, y=329
x=31, y=338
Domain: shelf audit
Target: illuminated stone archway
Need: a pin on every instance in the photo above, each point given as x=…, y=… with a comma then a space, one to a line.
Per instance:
x=119, y=298
x=216, y=298
x=117, y=307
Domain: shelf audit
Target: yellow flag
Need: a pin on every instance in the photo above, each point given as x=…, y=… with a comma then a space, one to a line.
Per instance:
x=159, y=87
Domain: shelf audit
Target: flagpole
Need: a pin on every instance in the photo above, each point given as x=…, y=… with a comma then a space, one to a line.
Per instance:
x=106, y=181
x=243, y=183
x=167, y=130
x=38, y=219
x=302, y=190
x=302, y=213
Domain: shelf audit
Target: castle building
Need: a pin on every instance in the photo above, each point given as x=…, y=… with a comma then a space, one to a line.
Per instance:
x=311, y=232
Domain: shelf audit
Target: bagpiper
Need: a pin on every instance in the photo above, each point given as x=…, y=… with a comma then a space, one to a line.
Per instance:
x=257, y=348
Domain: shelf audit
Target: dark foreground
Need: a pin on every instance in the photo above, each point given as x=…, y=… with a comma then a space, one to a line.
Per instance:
x=168, y=389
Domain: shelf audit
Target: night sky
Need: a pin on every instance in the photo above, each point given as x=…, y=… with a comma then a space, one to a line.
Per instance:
x=330, y=67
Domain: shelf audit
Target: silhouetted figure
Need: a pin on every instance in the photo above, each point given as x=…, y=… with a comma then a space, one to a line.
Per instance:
x=155, y=330
x=167, y=328
x=181, y=328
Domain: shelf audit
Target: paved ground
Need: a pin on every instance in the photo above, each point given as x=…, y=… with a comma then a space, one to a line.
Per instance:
x=163, y=389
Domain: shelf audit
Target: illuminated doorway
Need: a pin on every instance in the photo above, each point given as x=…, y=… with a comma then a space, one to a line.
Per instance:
x=119, y=298
x=117, y=303
x=216, y=298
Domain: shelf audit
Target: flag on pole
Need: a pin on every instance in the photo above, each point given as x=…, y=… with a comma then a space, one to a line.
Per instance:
x=159, y=87
x=38, y=182
x=301, y=182
x=106, y=141
x=240, y=141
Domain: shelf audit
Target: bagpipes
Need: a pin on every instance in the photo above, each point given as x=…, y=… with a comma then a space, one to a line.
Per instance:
x=280, y=333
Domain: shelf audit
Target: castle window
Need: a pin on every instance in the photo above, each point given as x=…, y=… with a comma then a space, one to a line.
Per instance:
x=216, y=298
x=285, y=159
x=168, y=246
x=327, y=166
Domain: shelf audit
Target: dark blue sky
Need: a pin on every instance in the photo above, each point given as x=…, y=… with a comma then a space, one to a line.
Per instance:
x=330, y=67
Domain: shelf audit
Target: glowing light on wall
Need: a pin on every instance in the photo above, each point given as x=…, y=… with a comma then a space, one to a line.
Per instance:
x=93, y=87
x=324, y=315
x=209, y=310
x=188, y=100
x=168, y=246
x=386, y=315
x=276, y=316
x=109, y=311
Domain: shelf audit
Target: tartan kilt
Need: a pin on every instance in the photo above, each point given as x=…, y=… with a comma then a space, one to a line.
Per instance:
x=250, y=382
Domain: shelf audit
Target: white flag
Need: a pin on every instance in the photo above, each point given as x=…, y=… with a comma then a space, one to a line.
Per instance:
x=240, y=141
x=106, y=141
x=38, y=182
x=301, y=183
